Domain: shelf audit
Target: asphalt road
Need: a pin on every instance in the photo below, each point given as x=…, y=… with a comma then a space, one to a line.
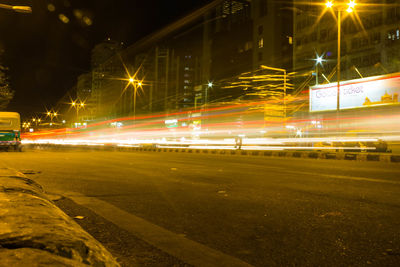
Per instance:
x=241, y=209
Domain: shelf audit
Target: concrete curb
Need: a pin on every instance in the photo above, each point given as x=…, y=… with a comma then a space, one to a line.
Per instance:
x=35, y=232
x=357, y=156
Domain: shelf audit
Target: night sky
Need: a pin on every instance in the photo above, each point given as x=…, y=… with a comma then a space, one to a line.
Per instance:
x=45, y=55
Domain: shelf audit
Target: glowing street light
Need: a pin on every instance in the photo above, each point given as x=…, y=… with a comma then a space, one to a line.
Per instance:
x=350, y=7
x=318, y=61
x=52, y=115
x=136, y=84
x=352, y=4
x=77, y=107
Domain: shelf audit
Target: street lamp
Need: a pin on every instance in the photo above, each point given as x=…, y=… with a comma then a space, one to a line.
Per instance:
x=318, y=61
x=52, y=115
x=340, y=7
x=136, y=84
x=77, y=107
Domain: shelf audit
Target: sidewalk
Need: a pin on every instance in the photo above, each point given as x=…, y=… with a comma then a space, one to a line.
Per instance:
x=34, y=232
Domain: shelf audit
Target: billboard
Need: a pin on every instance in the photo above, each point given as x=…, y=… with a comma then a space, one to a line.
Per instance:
x=366, y=92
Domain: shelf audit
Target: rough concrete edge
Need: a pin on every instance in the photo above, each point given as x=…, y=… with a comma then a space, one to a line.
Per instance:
x=31, y=188
x=357, y=156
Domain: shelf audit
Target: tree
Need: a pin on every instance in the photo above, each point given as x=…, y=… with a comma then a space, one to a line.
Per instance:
x=6, y=94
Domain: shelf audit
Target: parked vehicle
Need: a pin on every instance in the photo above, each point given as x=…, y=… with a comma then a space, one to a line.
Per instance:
x=10, y=131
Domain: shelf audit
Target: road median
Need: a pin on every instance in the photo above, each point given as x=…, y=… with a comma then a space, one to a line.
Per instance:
x=245, y=151
x=34, y=232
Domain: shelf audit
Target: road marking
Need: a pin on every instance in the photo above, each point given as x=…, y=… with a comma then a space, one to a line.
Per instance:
x=345, y=177
x=180, y=247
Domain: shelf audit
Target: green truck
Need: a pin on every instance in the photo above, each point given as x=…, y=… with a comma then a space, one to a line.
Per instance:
x=10, y=131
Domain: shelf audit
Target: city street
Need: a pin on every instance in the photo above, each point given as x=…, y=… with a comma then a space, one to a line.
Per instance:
x=163, y=209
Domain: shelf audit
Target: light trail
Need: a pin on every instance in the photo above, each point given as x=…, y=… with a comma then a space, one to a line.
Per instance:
x=219, y=125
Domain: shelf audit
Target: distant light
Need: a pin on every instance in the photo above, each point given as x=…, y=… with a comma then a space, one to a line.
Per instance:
x=329, y=4
x=319, y=60
x=63, y=121
x=78, y=13
x=22, y=9
x=210, y=84
x=63, y=18
x=131, y=80
x=87, y=21
x=352, y=4
x=139, y=83
x=51, y=8
x=171, y=121
x=349, y=10
x=31, y=130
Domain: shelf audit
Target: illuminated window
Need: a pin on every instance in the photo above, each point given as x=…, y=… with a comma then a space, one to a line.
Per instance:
x=261, y=43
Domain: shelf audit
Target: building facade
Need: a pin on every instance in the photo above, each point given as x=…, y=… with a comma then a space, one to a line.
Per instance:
x=188, y=63
x=370, y=40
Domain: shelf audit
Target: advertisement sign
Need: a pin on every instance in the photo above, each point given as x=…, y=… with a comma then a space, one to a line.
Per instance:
x=367, y=92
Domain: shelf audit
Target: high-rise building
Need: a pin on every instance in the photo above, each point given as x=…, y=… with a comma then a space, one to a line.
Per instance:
x=272, y=33
x=369, y=46
x=187, y=63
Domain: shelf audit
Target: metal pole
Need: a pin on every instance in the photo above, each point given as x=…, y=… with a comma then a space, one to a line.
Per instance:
x=166, y=80
x=284, y=95
x=134, y=104
x=338, y=64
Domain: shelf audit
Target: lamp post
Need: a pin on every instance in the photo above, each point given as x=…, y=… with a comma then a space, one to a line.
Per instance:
x=206, y=95
x=318, y=61
x=77, y=107
x=136, y=84
x=340, y=7
x=51, y=115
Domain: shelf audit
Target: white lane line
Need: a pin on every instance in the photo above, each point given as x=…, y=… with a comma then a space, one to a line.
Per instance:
x=182, y=248
x=345, y=177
